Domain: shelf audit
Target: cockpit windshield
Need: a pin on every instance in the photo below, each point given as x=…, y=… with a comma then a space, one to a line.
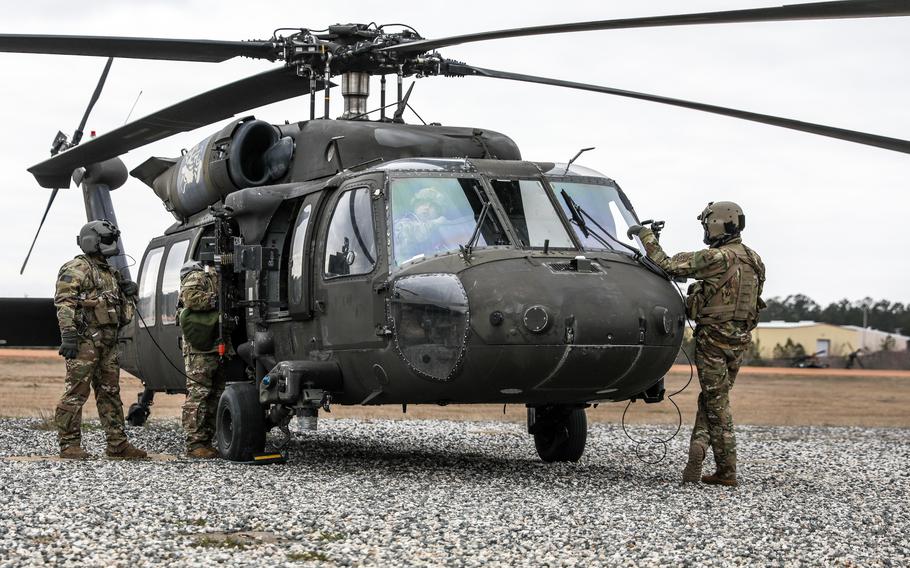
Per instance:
x=434, y=215
x=531, y=213
x=605, y=206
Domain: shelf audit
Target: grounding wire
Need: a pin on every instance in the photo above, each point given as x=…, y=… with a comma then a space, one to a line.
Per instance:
x=663, y=442
x=155, y=341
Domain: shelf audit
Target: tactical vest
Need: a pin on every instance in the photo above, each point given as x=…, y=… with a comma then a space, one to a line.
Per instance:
x=735, y=292
x=102, y=304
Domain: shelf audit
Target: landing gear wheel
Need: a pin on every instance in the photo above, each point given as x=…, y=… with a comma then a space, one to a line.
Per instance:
x=240, y=430
x=560, y=432
x=139, y=411
x=137, y=414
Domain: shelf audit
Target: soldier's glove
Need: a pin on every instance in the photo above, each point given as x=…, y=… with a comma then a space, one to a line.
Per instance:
x=634, y=230
x=129, y=288
x=69, y=346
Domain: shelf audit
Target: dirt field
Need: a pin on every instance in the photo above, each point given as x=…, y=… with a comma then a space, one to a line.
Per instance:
x=32, y=380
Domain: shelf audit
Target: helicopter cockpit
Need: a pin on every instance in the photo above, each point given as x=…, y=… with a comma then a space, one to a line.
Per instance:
x=443, y=206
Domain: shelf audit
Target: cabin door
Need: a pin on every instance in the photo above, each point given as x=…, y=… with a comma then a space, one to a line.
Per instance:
x=351, y=266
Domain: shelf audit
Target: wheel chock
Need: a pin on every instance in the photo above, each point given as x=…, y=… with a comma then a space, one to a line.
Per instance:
x=267, y=459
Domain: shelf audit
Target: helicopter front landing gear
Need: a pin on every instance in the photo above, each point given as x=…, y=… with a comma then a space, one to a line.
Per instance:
x=240, y=428
x=559, y=431
x=139, y=411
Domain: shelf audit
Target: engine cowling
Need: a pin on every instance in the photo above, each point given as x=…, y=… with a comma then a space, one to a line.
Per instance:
x=245, y=153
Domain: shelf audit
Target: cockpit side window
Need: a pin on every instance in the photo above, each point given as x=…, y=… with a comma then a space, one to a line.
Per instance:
x=170, y=281
x=350, y=247
x=531, y=213
x=436, y=215
x=148, y=282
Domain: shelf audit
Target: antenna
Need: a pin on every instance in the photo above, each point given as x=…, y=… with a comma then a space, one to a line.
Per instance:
x=580, y=152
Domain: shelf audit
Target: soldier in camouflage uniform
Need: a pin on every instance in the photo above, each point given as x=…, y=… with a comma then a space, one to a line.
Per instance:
x=205, y=374
x=724, y=302
x=92, y=302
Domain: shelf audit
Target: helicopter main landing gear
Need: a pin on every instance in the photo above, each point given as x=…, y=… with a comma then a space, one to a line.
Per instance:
x=559, y=431
x=139, y=411
x=240, y=429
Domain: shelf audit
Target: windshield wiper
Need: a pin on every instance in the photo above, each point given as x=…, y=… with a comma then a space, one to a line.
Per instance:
x=468, y=248
x=578, y=215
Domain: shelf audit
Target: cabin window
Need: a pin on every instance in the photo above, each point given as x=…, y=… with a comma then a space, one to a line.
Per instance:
x=148, y=282
x=170, y=281
x=350, y=247
x=531, y=213
x=604, y=205
x=297, y=254
x=436, y=215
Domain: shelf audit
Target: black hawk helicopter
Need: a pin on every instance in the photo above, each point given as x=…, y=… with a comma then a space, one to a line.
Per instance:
x=368, y=261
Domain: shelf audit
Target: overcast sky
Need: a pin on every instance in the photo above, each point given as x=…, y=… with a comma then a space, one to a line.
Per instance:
x=827, y=216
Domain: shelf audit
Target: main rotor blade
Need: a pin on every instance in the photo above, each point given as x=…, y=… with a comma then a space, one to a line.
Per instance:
x=38, y=232
x=791, y=12
x=895, y=144
x=77, y=135
x=201, y=110
x=205, y=50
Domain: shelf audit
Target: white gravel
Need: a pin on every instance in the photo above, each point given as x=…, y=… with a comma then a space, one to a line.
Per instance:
x=393, y=493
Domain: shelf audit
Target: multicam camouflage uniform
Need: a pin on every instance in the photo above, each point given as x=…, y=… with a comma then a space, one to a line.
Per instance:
x=89, y=301
x=206, y=381
x=724, y=304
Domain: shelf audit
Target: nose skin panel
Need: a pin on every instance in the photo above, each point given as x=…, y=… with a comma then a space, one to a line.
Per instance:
x=611, y=306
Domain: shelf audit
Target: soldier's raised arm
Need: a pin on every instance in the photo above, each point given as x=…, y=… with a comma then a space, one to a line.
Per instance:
x=699, y=264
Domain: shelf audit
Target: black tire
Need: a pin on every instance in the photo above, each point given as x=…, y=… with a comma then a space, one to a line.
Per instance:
x=137, y=415
x=240, y=430
x=560, y=434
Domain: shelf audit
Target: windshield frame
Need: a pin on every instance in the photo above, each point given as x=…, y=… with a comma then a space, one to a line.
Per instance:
x=494, y=212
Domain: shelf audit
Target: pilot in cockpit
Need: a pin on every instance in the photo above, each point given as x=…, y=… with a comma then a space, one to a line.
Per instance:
x=418, y=230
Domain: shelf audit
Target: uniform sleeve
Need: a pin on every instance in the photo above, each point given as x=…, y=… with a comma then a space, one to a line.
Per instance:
x=699, y=264
x=66, y=297
x=195, y=295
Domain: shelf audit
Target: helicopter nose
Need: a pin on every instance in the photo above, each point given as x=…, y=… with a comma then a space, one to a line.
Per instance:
x=609, y=331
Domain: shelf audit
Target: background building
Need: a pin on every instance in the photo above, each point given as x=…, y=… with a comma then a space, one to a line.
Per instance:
x=825, y=339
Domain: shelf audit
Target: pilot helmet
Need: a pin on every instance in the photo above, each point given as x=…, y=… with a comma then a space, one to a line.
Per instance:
x=99, y=237
x=427, y=195
x=721, y=220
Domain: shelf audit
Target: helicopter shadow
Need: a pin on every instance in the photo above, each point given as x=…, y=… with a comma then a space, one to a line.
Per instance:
x=497, y=462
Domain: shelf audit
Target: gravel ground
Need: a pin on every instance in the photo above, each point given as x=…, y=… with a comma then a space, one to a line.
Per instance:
x=457, y=493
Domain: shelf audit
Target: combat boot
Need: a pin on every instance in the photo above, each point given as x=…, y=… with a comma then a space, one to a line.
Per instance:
x=74, y=453
x=126, y=451
x=692, y=471
x=717, y=479
x=203, y=453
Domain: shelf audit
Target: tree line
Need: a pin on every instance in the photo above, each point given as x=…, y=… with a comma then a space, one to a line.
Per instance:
x=880, y=314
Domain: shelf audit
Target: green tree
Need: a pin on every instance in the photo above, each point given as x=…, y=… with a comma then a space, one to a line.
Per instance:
x=789, y=350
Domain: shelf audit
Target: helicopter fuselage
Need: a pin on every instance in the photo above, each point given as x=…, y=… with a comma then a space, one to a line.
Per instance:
x=345, y=285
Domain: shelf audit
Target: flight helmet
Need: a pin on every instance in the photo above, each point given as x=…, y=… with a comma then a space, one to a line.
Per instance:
x=99, y=237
